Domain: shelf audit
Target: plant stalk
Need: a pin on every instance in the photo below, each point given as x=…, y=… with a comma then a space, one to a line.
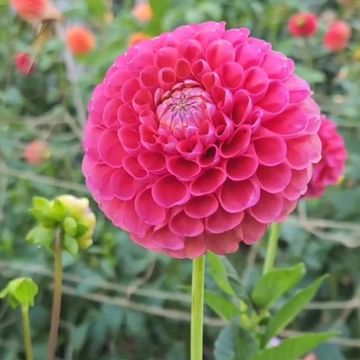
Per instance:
x=271, y=251
x=197, y=308
x=27, y=332
x=56, y=307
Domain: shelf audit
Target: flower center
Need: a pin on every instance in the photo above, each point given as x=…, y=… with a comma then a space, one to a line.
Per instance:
x=184, y=109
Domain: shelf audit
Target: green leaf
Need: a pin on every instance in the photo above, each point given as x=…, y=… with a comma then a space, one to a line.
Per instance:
x=235, y=343
x=71, y=245
x=294, y=348
x=221, y=306
x=291, y=309
x=160, y=9
x=20, y=292
x=40, y=203
x=219, y=273
x=275, y=283
x=43, y=217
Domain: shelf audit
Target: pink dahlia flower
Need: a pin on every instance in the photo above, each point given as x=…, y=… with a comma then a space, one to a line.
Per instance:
x=331, y=167
x=200, y=138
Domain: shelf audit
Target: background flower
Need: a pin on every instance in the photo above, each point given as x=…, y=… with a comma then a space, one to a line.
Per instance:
x=24, y=63
x=199, y=139
x=143, y=12
x=37, y=152
x=30, y=9
x=303, y=24
x=331, y=166
x=80, y=40
x=337, y=36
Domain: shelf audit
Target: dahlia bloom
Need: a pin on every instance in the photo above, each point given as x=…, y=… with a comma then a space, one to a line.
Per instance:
x=137, y=37
x=143, y=12
x=30, y=10
x=24, y=63
x=331, y=166
x=337, y=36
x=200, y=138
x=37, y=152
x=303, y=24
x=80, y=40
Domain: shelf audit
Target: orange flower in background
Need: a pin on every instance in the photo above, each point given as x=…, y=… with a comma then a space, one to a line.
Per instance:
x=37, y=152
x=143, y=12
x=24, y=63
x=137, y=37
x=30, y=10
x=80, y=40
x=337, y=36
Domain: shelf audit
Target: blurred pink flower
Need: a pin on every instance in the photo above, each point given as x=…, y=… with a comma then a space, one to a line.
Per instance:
x=331, y=167
x=337, y=37
x=199, y=139
x=37, y=152
x=30, y=9
x=24, y=63
x=303, y=24
x=143, y=12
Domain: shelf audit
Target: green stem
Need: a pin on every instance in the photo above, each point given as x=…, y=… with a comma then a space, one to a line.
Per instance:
x=56, y=307
x=197, y=308
x=27, y=332
x=271, y=251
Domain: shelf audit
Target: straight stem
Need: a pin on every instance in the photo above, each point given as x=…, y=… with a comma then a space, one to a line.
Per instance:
x=197, y=308
x=271, y=251
x=56, y=307
x=27, y=332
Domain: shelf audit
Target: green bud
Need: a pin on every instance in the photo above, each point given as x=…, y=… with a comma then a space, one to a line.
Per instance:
x=70, y=226
x=20, y=292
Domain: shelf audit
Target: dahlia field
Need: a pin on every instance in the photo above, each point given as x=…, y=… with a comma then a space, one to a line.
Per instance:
x=179, y=180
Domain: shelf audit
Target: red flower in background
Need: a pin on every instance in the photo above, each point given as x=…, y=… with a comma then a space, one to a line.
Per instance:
x=80, y=40
x=24, y=63
x=337, y=36
x=303, y=24
x=37, y=152
x=199, y=139
x=30, y=9
x=329, y=170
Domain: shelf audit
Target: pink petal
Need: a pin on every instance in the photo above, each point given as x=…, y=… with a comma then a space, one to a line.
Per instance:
x=191, y=49
x=152, y=161
x=127, y=115
x=148, y=209
x=274, y=179
x=270, y=150
x=232, y=74
x=250, y=230
x=110, y=149
x=129, y=138
x=183, y=169
x=299, y=89
x=123, y=185
x=183, y=225
x=256, y=81
x=241, y=167
x=169, y=191
x=132, y=166
x=222, y=244
x=129, y=90
x=268, y=209
x=195, y=246
x=210, y=156
x=242, y=107
x=236, y=196
x=166, y=57
x=238, y=143
x=208, y=182
x=222, y=221
x=166, y=77
x=277, y=65
x=165, y=239
x=276, y=98
x=182, y=69
x=143, y=101
x=110, y=116
x=149, y=76
x=201, y=206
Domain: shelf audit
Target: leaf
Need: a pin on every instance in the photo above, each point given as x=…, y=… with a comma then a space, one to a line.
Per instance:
x=235, y=343
x=97, y=8
x=160, y=9
x=58, y=210
x=219, y=273
x=294, y=348
x=221, y=306
x=275, y=283
x=291, y=309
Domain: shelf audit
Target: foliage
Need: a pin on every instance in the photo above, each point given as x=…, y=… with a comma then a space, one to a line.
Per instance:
x=115, y=290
